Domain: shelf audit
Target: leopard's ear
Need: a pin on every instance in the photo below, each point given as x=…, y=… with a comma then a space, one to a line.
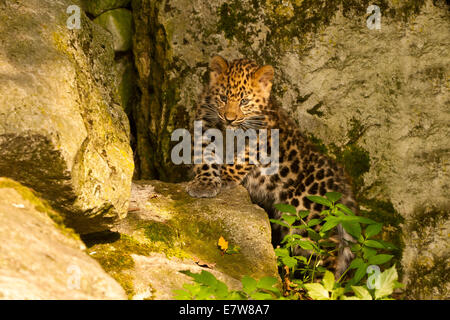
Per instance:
x=217, y=65
x=263, y=77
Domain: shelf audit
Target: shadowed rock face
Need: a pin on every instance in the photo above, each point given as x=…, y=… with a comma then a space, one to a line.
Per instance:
x=41, y=260
x=377, y=100
x=167, y=231
x=62, y=129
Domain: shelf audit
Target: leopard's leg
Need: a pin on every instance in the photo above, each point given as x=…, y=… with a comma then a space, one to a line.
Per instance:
x=207, y=182
x=233, y=174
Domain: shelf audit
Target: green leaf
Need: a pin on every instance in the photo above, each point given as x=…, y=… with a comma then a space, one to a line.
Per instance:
x=317, y=291
x=289, y=262
x=266, y=283
x=362, y=293
x=336, y=293
x=261, y=296
x=305, y=245
x=221, y=290
x=289, y=219
x=233, y=250
x=286, y=208
x=181, y=295
x=303, y=213
x=313, y=235
x=380, y=259
x=333, y=196
x=345, y=209
x=320, y=200
x=357, y=219
x=353, y=228
x=374, y=244
x=373, y=230
x=281, y=223
x=328, y=281
x=368, y=252
x=330, y=223
x=301, y=259
x=360, y=273
x=388, y=245
x=282, y=252
x=386, y=282
x=356, y=263
x=314, y=222
x=206, y=278
x=248, y=284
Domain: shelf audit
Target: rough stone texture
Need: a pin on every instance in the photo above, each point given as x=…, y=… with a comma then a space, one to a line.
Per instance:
x=119, y=23
x=62, y=129
x=377, y=100
x=41, y=260
x=126, y=76
x=167, y=231
x=97, y=7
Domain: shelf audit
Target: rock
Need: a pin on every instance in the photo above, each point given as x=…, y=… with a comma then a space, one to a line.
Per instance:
x=167, y=231
x=126, y=76
x=62, y=129
x=119, y=23
x=377, y=100
x=97, y=7
x=40, y=259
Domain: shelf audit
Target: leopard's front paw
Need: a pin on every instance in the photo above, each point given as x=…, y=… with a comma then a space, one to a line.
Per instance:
x=203, y=189
x=229, y=184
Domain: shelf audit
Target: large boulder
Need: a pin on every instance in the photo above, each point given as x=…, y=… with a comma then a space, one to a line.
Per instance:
x=167, y=231
x=62, y=129
x=375, y=99
x=42, y=259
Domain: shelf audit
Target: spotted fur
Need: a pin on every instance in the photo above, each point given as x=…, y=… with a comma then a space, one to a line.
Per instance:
x=238, y=96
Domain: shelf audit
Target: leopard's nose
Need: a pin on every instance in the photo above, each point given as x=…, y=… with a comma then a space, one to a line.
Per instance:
x=230, y=116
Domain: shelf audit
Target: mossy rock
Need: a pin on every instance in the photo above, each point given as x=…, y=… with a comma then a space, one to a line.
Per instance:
x=167, y=231
x=69, y=139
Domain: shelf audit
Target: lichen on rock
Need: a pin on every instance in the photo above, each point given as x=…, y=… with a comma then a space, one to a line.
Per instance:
x=167, y=231
x=62, y=129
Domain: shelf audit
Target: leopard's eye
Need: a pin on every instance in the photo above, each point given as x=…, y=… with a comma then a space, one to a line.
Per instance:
x=244, y=102
x=224, y=98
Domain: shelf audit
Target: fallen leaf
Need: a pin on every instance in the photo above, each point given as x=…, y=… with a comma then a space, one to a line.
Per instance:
x=223, y=244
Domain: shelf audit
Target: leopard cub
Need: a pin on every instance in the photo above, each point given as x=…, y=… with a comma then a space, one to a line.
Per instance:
x=238, y=96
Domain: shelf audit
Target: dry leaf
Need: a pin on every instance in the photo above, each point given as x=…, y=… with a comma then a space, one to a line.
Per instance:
x=223, y=244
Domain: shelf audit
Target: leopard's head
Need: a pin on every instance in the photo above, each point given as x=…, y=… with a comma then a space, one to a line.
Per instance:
x=237, y=93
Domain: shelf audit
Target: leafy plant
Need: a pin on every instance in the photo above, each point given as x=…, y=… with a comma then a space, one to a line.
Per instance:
x=368, y=250
x=207, y=287
x=302, y=272
x=328, y=289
